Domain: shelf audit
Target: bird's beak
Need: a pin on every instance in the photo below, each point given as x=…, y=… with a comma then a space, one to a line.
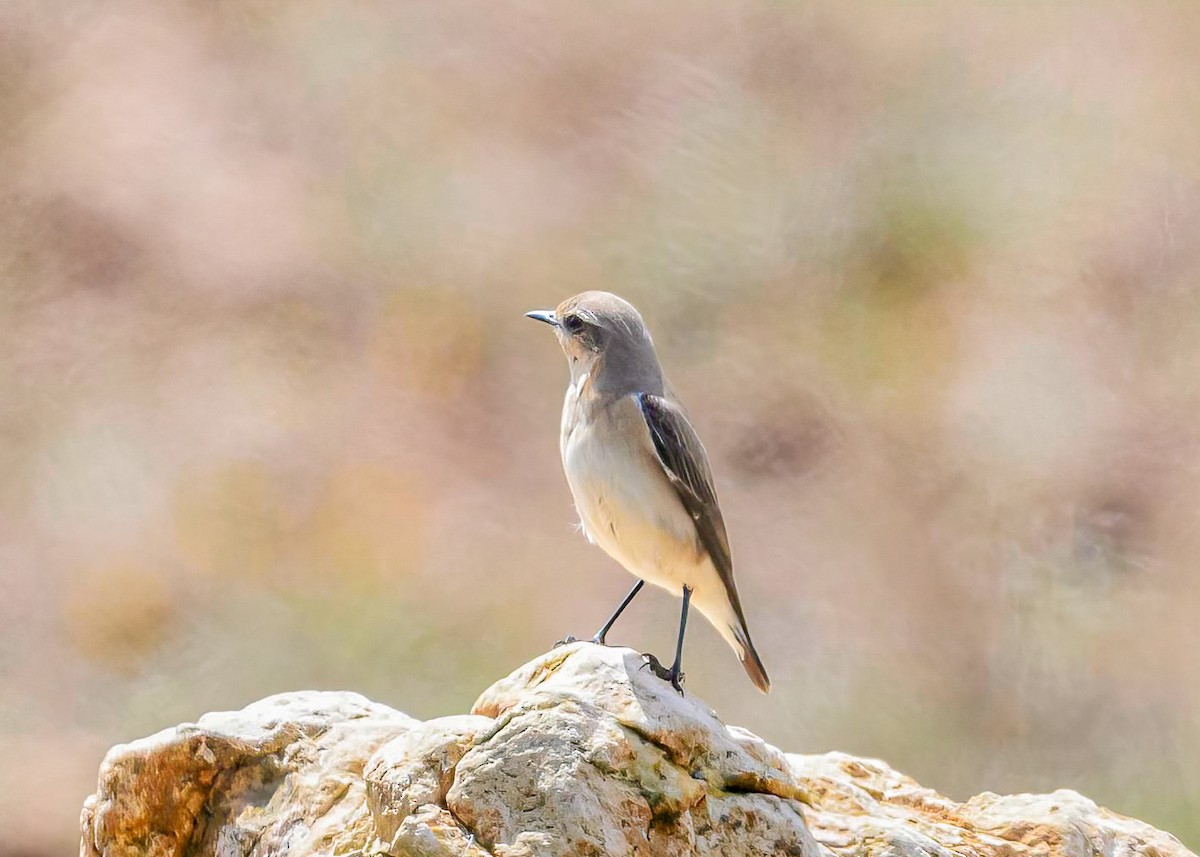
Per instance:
x=546, y=315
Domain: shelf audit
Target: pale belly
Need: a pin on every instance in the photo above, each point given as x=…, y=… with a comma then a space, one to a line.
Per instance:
x=628, y=507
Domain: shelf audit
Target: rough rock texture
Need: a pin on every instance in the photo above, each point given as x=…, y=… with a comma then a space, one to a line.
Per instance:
x=578, y=752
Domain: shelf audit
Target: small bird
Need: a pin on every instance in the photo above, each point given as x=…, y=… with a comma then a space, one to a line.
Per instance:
x=639, y=474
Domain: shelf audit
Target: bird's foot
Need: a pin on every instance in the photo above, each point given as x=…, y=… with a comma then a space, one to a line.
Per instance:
x=673, y=676
x=596, y=640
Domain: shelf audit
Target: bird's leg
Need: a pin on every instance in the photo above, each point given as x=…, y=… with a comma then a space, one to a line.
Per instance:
x=675, y=674
x=603, y=632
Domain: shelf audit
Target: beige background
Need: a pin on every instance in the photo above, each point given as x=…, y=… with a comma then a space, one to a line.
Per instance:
x=925, y=275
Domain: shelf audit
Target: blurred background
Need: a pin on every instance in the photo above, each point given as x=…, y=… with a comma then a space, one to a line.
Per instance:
x=927, y=276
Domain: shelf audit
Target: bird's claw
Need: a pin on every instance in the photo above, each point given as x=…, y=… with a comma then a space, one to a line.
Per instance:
x=597, y=640
x=672, y=676
x=676, y=680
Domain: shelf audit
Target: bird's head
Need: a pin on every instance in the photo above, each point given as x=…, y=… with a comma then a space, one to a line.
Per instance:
x=601, y=330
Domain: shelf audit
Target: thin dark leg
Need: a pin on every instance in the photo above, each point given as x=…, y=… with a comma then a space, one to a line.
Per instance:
x=603, y=632
x=676, y=671
x=675, y=674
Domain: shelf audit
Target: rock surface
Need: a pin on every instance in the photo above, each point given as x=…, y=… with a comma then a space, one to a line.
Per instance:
x=576, y=753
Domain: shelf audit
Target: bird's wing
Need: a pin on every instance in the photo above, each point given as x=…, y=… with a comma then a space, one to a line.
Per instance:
x=686, y=465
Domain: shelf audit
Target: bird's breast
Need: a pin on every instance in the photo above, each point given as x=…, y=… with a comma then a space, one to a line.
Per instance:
x=625, y=502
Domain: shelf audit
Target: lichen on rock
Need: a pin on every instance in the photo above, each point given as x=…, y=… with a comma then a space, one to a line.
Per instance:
x=579, y=752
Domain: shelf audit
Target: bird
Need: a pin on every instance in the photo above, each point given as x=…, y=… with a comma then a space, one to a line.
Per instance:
x=639, y=475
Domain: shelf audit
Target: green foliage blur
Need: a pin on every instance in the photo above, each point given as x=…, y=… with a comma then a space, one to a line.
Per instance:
x=927, y=276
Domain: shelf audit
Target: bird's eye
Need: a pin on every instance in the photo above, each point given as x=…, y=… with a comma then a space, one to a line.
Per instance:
x=573, y=324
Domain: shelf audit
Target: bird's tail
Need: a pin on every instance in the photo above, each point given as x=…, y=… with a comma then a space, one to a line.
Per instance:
x=748, y=655
x=725, y=614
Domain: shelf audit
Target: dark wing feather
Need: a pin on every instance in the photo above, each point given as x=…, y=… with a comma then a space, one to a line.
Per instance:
x=683, y=459
x=686, y=465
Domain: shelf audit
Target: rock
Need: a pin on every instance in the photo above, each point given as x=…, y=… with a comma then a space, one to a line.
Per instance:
x=285, y=772
x=579, y=752
x=863, y=807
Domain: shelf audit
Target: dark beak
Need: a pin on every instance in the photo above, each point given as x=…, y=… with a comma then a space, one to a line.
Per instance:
x=546, y=315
